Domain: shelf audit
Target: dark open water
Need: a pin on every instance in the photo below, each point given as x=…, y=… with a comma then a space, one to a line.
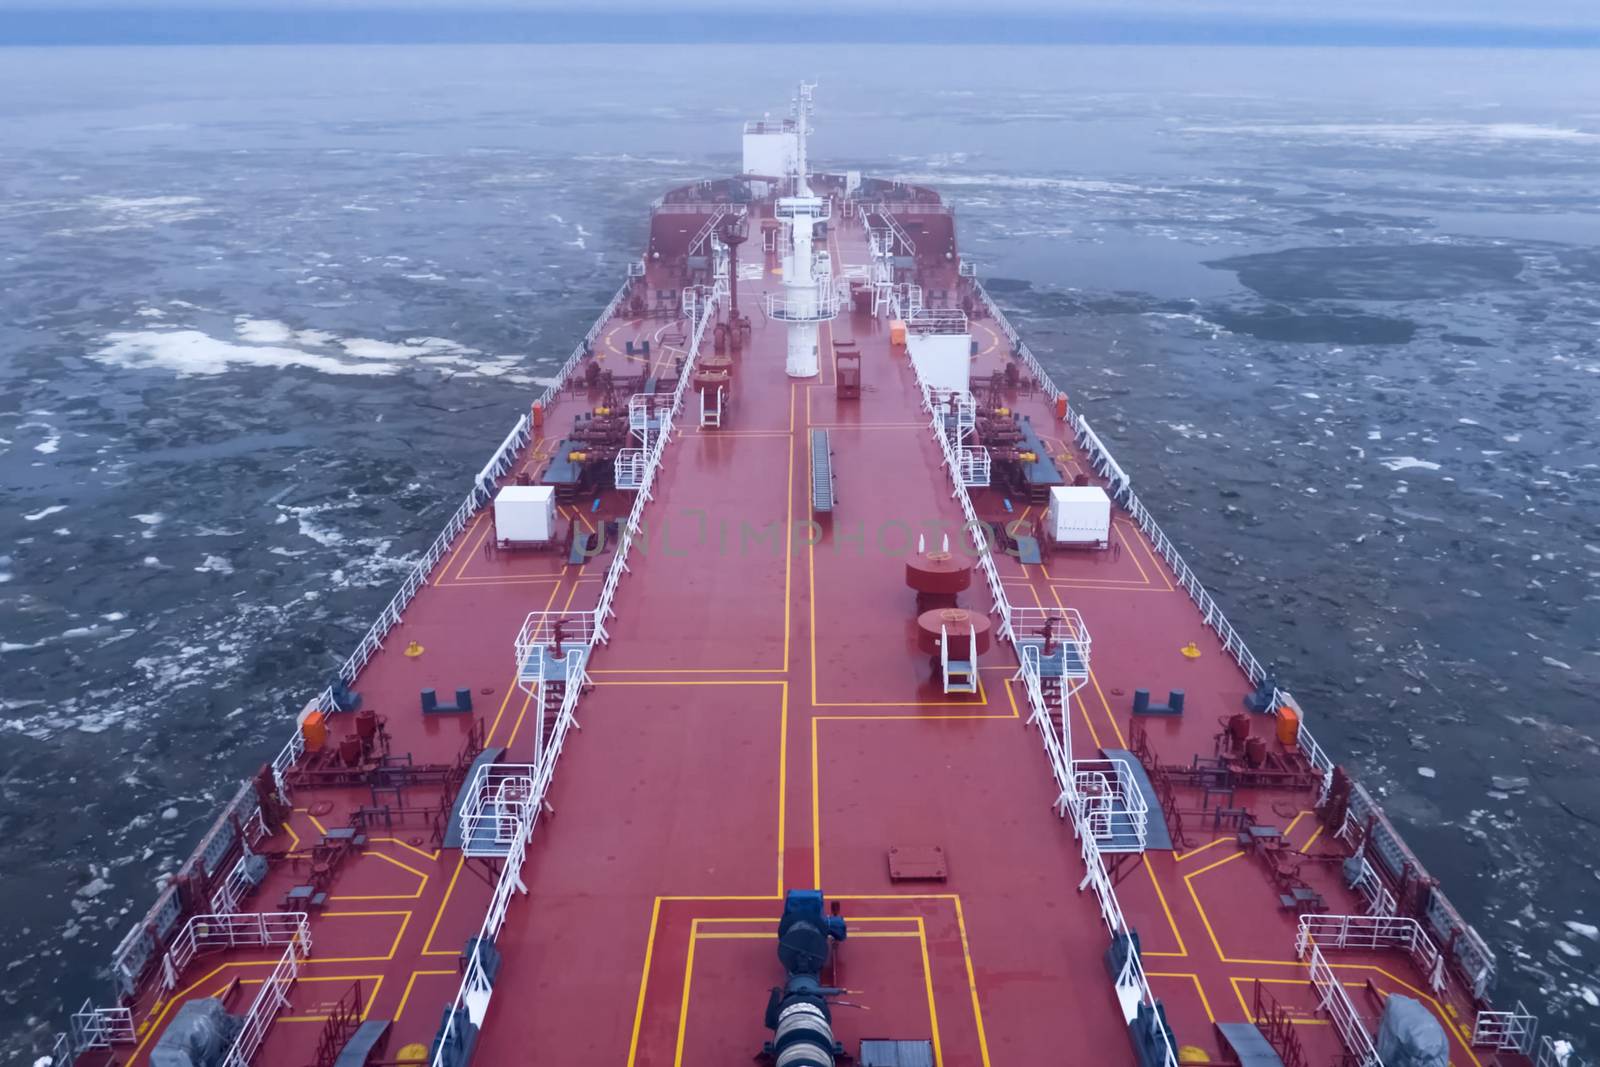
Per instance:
x=264, y=311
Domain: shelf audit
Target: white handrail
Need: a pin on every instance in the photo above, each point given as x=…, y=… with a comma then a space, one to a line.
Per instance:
x=272, y=998
x=1096, y=876
x=477, y=987
x=1369, y=932
x=213, y=932
x=1335, y=1003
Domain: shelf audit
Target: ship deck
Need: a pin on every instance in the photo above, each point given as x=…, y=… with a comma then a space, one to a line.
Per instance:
x=762, y=719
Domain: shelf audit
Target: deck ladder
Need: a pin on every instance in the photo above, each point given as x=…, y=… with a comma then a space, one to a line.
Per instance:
x=960, y=675
x=711, y=408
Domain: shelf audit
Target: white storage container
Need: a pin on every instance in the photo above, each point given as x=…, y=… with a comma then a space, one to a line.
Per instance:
x=525, y=513
x=1079, y=515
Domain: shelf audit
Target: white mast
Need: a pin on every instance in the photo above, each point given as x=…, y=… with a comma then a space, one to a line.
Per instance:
x=802, y=109
x=808, y=297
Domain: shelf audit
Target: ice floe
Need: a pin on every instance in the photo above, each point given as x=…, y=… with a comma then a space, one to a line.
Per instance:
x=1404, y=463
x=1409, y=131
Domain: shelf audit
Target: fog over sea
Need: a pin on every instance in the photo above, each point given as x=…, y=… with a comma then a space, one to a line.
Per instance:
x=265, y=311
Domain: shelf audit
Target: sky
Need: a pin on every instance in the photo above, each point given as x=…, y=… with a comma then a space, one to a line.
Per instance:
x=1536, y=23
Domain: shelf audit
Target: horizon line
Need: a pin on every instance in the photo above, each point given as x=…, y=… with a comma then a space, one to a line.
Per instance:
x=86, y=26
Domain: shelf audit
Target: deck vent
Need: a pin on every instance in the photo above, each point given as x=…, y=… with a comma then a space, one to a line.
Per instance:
x=917, y=863
x=876, y=1052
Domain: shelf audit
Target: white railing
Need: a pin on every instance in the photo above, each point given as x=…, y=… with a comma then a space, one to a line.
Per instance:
x=884, y=212
x=628, y=468
x=225, y=901
x=476, y=988
x=692, y=207
x=1554, y=1053
x=1506, y=1030
x=815, y=208
x=287, y=757
x=818, y=306
x=272, y=998
x=95, y=1028
x=1132, y=987
x=937, y=320
x=543, y=628
x=1372, y=932
x=496, y=806
x=1066, y=627
x=1108, y=803
x=1335, y=1004
x=975, y=466
x=1379, y=900
x=977, y=531
x=210, y=933
x=237, y=881
x=705, y=231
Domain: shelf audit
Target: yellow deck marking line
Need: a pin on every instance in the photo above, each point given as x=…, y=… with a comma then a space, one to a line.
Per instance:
x=972, y=982
x=405, y=997
x=366, y=1007
x=927, y=984
x=1205, y=1002
x=482, y=537
x=1122, y=742
x=505, y=701
x=683, y=670
x=688, y=977
x=461, y=544
x=1122, y=538
x=1149, y=868
x=421, y=886
x=644, y=981
x=816, y=787
x=788, y=558
x=1202, y=848
x=405, y=921
x=427, y=946
x=783, y=778
x=1144, y=545
x=434, y=855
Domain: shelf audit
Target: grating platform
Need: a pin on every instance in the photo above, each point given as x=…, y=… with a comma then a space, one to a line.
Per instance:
x=1156, y=835
x=821, y=472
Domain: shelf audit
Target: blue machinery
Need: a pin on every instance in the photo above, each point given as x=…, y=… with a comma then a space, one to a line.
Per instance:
x=797, y=1012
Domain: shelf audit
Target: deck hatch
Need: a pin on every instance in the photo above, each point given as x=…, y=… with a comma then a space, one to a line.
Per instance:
x=917, y=863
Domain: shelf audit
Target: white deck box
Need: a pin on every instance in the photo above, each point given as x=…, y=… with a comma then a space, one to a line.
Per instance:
x=525, y=513
x=1079, y=515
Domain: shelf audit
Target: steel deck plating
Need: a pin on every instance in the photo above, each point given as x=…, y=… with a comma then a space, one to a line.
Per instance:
x=759, y=717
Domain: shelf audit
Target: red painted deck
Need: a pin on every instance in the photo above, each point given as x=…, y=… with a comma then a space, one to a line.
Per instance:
x=762, y=720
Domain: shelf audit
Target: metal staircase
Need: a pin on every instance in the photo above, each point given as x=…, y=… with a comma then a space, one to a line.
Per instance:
x=552, y=651
x=711, y=406
x=959, y=675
